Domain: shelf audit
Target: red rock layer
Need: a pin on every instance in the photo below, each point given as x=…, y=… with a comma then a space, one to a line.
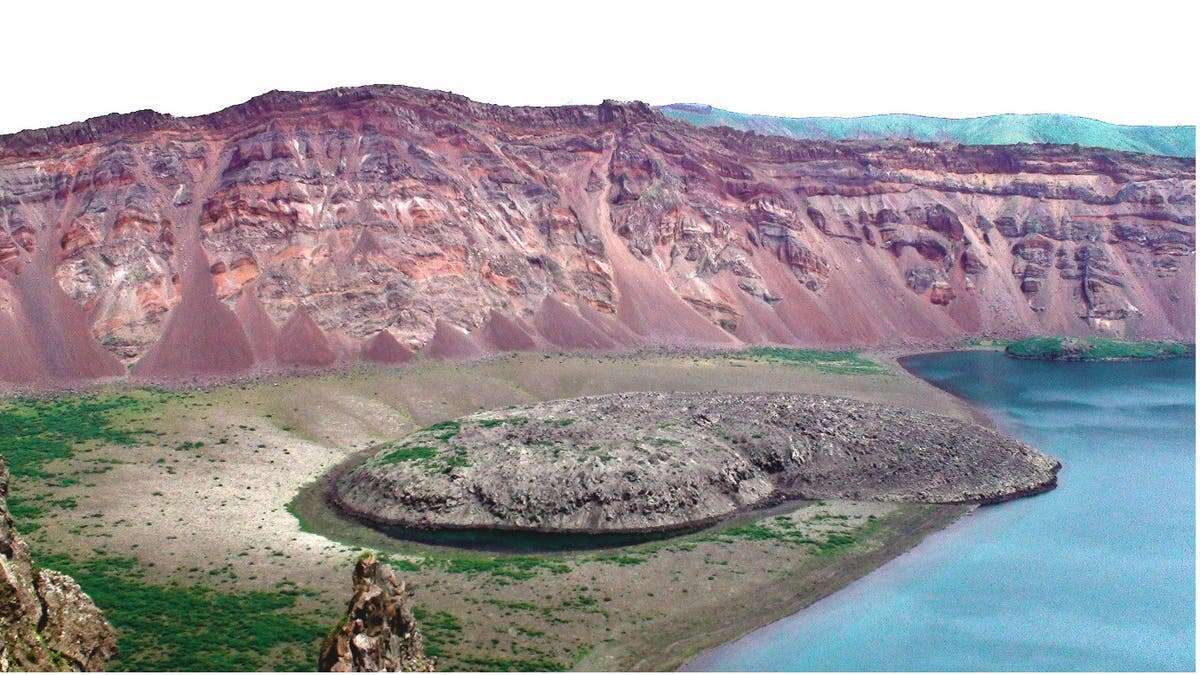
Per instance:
x=385, y=348
x=301, y=343
x=20, y=363
x=397, y=207
x=566, y=329
x=504, y=333
x=261, y=330
x=451, y=343
x=203, y=337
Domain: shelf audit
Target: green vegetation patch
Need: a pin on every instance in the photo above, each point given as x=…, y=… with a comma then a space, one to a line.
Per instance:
x=986, y=343
x=837, y=362
x=440, y=629
x=515, y=568
x=784, y=530
x=502, y=568
x=444, y=431
x=621, y=559
x=194, y=628
x=430, y=448
x=408, y=453
x=433, y=460
x=1095, y=349
x=35, y=432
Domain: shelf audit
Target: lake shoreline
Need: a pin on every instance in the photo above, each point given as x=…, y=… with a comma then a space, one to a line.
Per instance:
x=782, y=600
x=670, y=657
x=923, y=612
x=858, y=569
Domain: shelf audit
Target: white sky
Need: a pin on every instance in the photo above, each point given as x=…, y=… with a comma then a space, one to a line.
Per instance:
x=1129, y=62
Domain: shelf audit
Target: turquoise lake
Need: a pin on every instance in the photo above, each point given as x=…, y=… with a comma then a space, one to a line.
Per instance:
x=1098, y=574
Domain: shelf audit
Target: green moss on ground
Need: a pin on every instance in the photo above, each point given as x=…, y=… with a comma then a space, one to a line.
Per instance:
x=407, y=453
x=444, y=431
x=194, y=628
x=986, y=343
x=1095, y=349
x=504, y=567
x=621, y=559
x=35, y=432
x=431, y=448
x=836, y=362
x=783, y=530
x=160, y=627
x=440, y=630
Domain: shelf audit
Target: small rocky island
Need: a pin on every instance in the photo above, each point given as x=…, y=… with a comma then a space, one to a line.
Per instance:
x=644, y=462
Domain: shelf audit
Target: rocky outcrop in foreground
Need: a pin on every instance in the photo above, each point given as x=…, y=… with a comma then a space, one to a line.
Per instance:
x=379, y=633
x=660, y=461
x=46, y=622
x=295, y=229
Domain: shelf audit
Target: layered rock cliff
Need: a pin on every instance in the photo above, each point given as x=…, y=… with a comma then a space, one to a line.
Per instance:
x=46, y=622
x=294, y=228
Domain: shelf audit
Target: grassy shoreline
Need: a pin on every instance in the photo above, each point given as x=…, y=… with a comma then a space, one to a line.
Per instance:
x=1095, y=349
x=685, y=637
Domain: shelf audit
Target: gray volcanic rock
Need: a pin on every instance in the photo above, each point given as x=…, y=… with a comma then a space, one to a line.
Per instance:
x=47, y=623
x=379, y=633
x=655, y=461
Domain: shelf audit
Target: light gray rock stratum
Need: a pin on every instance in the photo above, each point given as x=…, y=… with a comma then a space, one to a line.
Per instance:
x=659, y=461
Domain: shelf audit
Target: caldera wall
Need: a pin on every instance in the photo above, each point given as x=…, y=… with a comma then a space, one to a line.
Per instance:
x=391, y=208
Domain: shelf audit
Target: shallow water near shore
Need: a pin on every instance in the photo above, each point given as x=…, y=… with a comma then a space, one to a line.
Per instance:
x=1095, y=575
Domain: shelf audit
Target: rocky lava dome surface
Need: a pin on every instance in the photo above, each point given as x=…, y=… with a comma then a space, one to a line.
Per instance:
x=660, y=461
x=310, y=229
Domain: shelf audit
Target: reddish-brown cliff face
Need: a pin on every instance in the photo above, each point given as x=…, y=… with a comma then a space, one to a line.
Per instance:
x=137, y=239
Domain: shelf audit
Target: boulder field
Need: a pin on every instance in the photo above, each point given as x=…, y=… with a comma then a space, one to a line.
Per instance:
x=640, y=462
x=291, y=230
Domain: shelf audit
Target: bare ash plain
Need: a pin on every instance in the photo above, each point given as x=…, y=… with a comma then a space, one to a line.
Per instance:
x=196, y=519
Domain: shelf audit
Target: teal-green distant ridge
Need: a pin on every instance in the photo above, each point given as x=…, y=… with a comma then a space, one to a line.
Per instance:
x=1173, y=141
